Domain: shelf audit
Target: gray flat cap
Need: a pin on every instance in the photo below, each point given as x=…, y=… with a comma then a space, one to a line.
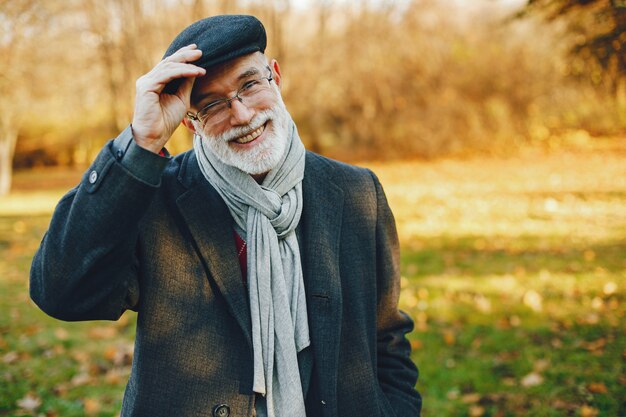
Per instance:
x=220, y=38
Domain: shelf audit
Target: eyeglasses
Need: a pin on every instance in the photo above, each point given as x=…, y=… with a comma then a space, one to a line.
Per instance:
x=253, y=91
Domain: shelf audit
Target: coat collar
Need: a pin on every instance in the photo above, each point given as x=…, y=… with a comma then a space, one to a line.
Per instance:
x=319, y=232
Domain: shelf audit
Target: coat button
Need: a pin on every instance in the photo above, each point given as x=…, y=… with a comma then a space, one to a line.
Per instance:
x=119, y=154
x=93, y=177
x=221, y=410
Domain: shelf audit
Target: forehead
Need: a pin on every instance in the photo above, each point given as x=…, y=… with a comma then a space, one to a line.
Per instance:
x=226, y=77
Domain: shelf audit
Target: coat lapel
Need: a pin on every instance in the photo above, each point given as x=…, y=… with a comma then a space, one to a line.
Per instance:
x=320, y=236
x=211, y=227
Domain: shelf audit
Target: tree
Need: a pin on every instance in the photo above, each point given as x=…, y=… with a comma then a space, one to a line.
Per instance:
x=18, y=19
x=599, y=37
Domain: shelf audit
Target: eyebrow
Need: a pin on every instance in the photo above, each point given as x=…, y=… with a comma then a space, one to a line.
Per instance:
x=249, y=73
x=246, y=74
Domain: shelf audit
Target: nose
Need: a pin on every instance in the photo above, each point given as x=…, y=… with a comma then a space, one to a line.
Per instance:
x=240, y=114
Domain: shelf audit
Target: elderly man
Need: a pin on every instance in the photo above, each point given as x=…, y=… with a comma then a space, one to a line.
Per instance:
x=265, y=277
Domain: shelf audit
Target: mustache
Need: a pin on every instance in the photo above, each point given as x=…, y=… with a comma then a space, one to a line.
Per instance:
x=236, y=132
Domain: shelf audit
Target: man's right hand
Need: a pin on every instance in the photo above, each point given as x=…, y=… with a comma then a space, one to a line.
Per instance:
x=158, y=114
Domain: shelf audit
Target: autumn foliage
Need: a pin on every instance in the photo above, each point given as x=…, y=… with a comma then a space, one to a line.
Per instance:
x=363, y=80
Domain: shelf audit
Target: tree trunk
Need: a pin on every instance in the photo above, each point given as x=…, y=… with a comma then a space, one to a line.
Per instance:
x=8, y=138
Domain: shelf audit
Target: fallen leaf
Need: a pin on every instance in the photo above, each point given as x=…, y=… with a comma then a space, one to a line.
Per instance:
x=610, y=288
x=597, y=303
x=533, y=300
x=115, y=377
x=31, y=330
x=102, y=332
x=91, y=405
x=81, y=357
x=61, y=390
x=476, y=411
x=453, y=394
x=10, y=357
x=532, y=380
x=556, y=343
x=587, y=411
x=509, y=382
x=416, y=344
x=541, y=365
x=563, y=405
x=61, y=334
x=471, y=398
x=483, y=304
x=591, y=318
x=110, y=353
x=29, y=403
x=597, y=388
x=448, y=337
x=120, y=354
x=80, y=379
x=595, y=345
x=503, y=323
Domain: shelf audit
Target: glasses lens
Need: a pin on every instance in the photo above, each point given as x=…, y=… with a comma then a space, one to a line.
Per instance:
x=213, y=111
x=254, y=88
x=255, y=93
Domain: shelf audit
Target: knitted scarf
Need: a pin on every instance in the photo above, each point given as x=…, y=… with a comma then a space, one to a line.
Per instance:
x=266, y=216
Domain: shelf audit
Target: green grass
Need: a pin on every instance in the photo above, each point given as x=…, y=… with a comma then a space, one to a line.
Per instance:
x=69, y=369
x=513, y=270
x=489, y=320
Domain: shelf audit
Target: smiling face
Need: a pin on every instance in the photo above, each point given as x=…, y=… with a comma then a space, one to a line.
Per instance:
x=251, y=134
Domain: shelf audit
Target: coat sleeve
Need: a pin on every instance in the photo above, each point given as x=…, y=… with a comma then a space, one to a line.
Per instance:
x=397, y=374
x=86, y=266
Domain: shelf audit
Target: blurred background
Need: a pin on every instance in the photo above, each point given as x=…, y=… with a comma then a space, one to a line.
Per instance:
x=497, y=128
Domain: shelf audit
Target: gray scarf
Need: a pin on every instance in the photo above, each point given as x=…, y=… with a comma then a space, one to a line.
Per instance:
x=267, y=216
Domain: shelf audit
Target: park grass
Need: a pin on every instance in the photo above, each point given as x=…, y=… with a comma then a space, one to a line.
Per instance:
x=513, y=270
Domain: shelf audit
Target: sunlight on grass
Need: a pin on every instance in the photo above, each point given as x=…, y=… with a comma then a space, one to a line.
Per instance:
x=26, y=203
x=573, y=196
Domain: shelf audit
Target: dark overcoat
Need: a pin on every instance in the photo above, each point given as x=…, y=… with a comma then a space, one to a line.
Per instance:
x=148, y=233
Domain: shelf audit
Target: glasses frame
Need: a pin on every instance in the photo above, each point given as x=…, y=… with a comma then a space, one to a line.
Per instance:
x=228, y=101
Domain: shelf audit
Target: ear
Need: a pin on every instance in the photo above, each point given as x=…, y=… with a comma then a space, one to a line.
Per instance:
x=276, y=72
x=187, y=122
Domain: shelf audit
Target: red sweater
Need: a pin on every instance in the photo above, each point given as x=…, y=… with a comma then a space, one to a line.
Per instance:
x=242, y=254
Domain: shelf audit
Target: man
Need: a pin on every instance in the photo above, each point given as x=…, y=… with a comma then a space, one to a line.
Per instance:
x=265, y=277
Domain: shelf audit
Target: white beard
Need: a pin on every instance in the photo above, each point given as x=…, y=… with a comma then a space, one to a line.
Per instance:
x=262, y=157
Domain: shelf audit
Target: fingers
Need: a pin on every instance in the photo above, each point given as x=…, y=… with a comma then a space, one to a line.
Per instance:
x=187, y=53
x=184, y=91
x=175, y=66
